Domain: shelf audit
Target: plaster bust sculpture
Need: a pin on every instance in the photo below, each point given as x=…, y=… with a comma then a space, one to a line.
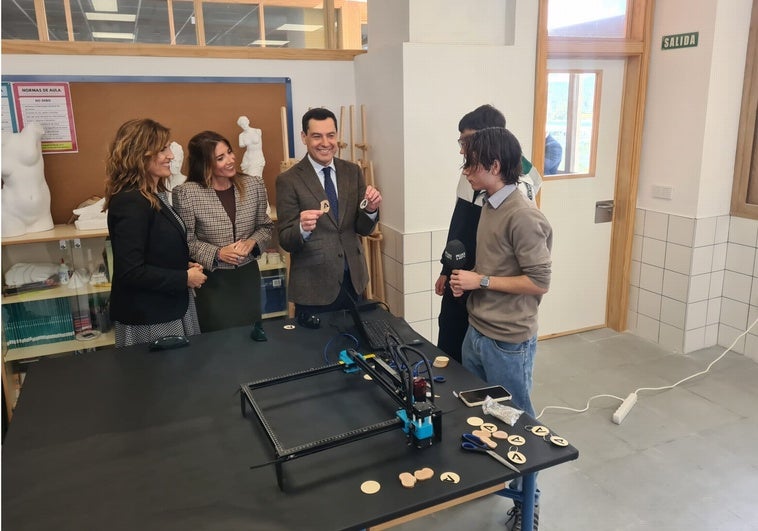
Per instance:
x=176, y=177
x=26, y=196
x=251, y=139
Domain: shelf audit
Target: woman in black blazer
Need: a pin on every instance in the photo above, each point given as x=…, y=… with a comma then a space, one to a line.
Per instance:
x=153, y=277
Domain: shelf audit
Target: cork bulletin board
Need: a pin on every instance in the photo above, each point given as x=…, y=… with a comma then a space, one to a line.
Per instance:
x=186, y=105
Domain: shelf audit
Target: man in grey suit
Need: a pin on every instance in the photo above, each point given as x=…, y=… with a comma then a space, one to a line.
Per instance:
x=319, y=223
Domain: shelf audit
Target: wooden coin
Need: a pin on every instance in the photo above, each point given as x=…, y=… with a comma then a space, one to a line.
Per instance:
x=441, y=362
x=367, y=377
x=370, y=487
x=407, y=479
x=324, y=206
x=517, y=457
x=540, y=431
x=558, y=441
x=516, y=440
x=449, y=477
x=488, y=426
x=499, y=434
x=424, y=474
x=474, y=421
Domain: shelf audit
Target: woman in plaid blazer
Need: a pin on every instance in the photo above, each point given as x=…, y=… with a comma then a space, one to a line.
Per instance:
x=227, y=224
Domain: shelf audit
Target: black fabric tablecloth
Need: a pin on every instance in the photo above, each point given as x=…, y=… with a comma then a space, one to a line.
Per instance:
x=132, y=439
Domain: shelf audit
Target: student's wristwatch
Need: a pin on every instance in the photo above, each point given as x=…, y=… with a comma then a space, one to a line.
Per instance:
x=485, y=282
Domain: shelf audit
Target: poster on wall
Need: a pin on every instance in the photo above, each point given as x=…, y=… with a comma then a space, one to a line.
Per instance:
x=8, y=112
x=48, y=104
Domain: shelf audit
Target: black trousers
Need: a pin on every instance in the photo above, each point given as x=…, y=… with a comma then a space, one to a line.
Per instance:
x=342, y=302
x=453, y=323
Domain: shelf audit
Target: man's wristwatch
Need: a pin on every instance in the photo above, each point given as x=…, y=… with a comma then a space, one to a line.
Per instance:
x=485, y=282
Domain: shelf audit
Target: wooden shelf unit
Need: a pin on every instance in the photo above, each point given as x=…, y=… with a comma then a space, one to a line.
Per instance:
x=60, y=233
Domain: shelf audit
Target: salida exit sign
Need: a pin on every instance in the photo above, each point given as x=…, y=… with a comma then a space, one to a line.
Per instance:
x=680, y=40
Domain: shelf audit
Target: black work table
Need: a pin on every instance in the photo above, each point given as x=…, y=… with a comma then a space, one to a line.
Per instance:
x=131, y=439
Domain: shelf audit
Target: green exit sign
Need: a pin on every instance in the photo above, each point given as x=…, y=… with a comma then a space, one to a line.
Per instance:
x=680, y=40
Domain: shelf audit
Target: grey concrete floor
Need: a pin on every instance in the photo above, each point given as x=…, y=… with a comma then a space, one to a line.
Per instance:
x=683, y=459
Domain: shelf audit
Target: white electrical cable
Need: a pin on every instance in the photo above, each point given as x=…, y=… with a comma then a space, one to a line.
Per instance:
x=629, y=401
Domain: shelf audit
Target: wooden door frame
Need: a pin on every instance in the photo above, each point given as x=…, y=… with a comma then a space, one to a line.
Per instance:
x=635, y=50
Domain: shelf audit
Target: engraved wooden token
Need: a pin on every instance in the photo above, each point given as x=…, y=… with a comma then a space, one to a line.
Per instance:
x=516, y=457
x=364, y=204
x=540, y=431
x=367, y=377
x=516, y=440
x=449, y=477
x=370, y=487
x=474, y=421
x=407, y=479
x=488, y=426
x=499, y=434
x=424, y=474
x=558, y=441
x=324, y=206
x=289, y=327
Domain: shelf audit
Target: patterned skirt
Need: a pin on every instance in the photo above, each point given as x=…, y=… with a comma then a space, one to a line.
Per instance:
x=127, y=334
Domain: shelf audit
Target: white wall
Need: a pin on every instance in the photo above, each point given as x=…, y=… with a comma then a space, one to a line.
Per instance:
x=693, y=105
x=314, y=83
x=414, y=105
x=724, y=101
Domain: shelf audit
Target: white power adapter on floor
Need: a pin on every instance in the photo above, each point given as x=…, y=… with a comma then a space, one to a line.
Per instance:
x=625, y=407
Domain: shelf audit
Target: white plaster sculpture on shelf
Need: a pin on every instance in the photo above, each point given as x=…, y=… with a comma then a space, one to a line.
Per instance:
x=92, y=216
x=176, y=168
x=25, y=195
x=251, y=139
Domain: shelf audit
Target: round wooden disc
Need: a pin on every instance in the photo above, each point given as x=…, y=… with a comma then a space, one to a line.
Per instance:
x=449, y=477
x=517, y=457
x=474, y=421
x=516, y=440
x=540, y=431
x=370, y=487
x=558, y=441
x=488, y=426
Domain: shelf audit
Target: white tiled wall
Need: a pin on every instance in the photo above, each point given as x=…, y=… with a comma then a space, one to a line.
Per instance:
x=411, y=267
x=694, y=282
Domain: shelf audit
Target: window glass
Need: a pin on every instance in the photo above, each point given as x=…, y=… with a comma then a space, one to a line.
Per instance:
x=184, y=23
x=586, y=18
x=231, y=24
x=225, y=22
x=292, y=27
x=18, y=20
x=572, y=115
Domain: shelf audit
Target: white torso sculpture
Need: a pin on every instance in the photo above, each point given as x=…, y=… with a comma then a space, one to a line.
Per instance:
x=251, y=139
x=176, y=169
x=25, y=195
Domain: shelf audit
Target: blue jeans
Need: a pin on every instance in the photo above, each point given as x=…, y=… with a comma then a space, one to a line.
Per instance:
x=501, y=363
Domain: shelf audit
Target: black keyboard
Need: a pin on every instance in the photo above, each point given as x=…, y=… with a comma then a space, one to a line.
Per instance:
x=376, y=333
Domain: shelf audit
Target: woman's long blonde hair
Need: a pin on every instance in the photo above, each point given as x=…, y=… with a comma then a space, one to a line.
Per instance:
x=136, y=143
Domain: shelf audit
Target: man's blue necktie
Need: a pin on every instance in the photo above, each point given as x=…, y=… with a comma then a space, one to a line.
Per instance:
x=331, y=192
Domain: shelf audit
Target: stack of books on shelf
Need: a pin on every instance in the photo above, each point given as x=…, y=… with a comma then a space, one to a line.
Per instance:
x=37, y=323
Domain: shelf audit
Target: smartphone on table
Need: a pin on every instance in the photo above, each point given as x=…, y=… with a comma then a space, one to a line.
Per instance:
x=476, y=397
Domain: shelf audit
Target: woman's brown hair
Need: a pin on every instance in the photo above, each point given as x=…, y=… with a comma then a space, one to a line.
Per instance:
x=201, y=159
x=126, y=166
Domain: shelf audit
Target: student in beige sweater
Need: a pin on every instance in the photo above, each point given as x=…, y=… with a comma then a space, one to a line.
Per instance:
x=510, y=276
